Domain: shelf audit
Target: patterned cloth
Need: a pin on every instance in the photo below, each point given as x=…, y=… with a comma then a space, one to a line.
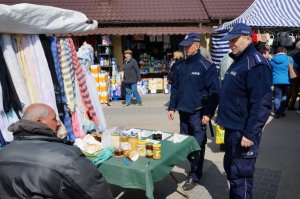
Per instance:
x=82, y=84
x=65, y=117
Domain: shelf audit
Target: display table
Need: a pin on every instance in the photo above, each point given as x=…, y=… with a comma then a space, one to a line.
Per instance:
x=138, y=175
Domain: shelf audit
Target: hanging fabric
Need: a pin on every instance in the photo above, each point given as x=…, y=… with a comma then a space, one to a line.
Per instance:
x=66, y=118
x=10, y=97
x=14, y=69
x=47, y=51
x=82, y=84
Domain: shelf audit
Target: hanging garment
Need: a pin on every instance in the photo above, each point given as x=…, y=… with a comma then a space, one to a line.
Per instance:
x=9, y=94
x=29, y=70
x=14, y=69
x=85, y=123
x=2, y=140
x=82, y=84
x=65, y=117
x=92, y=87
x=47, y=88
x=47, y=50
x=7, y=136
x=66, y=75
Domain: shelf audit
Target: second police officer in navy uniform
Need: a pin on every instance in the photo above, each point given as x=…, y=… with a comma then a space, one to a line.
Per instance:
x=194, y=78
x=245, y=105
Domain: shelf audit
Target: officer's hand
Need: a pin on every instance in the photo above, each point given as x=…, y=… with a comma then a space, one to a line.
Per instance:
x=205, y=120
x=246, y=142
x=171, y=115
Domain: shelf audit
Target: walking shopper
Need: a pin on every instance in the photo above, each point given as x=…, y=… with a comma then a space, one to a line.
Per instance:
x=131, y=77
x=294, y=88
x=37, y=164
x=245, y=105
x=195, y=79
x=281, y=80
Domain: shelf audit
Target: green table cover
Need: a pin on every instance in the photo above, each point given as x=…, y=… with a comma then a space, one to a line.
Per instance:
x=137, y=175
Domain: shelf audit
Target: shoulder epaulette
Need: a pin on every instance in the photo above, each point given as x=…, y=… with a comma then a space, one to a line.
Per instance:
x=207, y=63
x=256, y=59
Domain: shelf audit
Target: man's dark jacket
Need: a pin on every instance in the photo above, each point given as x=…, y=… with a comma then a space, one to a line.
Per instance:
x=39, y=165
x=131, y=71
x=246, y=96
x=195, y=78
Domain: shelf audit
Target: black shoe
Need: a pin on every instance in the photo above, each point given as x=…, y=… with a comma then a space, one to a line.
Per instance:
x=189, y=184
x=276, y=116
x=282, y=115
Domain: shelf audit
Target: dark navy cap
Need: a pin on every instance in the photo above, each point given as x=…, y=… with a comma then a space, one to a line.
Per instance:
x=190, y=38
x=238, y=30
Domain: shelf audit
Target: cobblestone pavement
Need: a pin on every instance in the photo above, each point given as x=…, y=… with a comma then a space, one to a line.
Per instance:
x=277, y=173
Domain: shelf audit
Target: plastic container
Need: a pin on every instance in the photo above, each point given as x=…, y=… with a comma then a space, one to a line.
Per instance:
x=141, y=147
x=149, y=150
x=156, y=151
x=133, y=140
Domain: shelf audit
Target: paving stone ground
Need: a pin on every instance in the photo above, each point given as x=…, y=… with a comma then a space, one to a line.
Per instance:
x=277, y=173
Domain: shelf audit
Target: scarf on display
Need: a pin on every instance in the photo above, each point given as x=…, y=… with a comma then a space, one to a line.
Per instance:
x=14, y=69
x=47, y=50
x=82, y=84
x=9, y=95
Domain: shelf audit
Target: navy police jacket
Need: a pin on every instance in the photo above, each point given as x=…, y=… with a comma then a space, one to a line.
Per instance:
x=195, y=78
x=246, y=96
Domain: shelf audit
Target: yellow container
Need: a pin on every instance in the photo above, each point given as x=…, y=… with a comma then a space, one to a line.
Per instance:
x=156, y=151
x=141, y=147
x=133, y=142
x=220, y=134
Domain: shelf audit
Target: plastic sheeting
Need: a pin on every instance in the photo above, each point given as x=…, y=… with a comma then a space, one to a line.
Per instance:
x=36, y=19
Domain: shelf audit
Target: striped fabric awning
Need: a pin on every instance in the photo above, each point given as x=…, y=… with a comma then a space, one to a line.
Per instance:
x=261, y=14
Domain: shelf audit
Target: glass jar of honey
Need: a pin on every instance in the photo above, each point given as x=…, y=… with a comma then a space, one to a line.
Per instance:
x=124, y=144
x=115, y=140
x=141, y=148
x=149, y=150
x=156, y=151
x=133, y=140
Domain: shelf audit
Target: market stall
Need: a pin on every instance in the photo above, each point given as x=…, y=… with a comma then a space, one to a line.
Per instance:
x=267, y=16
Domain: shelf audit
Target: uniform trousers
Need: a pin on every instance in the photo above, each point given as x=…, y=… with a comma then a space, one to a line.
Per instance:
x=239, y=164
x=190, y=124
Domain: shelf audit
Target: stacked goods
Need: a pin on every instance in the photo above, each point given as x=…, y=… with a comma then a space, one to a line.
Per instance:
x=104, y=87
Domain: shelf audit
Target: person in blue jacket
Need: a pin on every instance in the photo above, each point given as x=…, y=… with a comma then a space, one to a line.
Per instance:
x=195, y=79
x=281, y=80
x=244, y=107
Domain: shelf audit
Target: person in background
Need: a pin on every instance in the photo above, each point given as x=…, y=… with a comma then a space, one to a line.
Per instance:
x=195, y=80
x=293, y=91
x=244, y=108
x=281, y=81
x=177, y=56
x=37, y=164
x=224, y=65
x=131, y=77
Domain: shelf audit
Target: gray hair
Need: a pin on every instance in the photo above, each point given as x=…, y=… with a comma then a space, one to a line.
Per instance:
x=34, y=111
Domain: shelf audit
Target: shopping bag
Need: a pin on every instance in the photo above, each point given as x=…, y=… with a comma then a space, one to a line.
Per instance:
x=292, y=72
x=220, y=134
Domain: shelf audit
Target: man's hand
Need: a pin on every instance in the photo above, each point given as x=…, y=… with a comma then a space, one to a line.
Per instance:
x=245, y=142
x=171, y=115
x=205, y=120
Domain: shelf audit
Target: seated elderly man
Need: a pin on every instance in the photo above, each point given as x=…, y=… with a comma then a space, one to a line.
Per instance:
x=37, y=164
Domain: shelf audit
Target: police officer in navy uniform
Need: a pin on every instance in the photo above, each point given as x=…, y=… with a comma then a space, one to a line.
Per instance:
x=245, y=105
x=194, y=79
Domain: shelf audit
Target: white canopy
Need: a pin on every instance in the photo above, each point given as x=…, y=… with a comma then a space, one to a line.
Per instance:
x=36, y=19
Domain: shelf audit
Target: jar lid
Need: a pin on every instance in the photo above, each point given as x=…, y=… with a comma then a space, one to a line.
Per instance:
x=142, y=142
x=156, y=145
x=115, y=133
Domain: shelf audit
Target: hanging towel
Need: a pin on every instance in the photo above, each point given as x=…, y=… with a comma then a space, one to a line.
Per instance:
x=14, y=69
x=65, y=117
x=66, y=74
x=82, y=84
x=9, y=95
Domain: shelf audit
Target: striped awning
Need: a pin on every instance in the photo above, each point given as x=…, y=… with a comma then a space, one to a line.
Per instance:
x=269, y=13
x=261, y=14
